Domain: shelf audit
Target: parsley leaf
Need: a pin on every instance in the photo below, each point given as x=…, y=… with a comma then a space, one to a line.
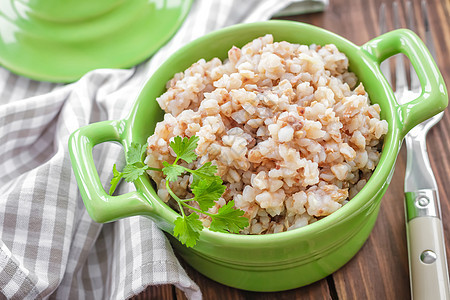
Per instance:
x=172, y=171
x=135, y=153
x=207, y=191
x=185, y=148
x=115, y=180
x=228, y=219
x=206, y=171
x=135, y=166
x=132, y=172
x=187, y=229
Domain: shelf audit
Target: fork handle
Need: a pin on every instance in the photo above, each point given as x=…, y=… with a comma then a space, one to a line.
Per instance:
x=428, y=265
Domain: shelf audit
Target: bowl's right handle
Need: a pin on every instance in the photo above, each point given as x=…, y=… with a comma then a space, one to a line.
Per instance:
x=101, y=206
x=434, y=97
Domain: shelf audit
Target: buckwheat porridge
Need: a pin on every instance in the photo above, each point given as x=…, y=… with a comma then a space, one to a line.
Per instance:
x=293, y=135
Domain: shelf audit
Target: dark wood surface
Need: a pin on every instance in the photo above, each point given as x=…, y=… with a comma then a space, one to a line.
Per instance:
x=380, y=268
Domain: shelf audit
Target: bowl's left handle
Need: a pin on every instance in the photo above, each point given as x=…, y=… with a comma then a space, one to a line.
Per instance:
x=101, y=206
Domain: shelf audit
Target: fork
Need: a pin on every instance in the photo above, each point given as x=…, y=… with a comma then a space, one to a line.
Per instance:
x=426, y=249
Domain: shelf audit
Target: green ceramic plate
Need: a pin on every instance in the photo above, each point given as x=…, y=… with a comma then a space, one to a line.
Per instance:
x=59, y=41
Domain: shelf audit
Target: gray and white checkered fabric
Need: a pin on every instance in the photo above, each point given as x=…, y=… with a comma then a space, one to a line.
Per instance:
x=50, y=247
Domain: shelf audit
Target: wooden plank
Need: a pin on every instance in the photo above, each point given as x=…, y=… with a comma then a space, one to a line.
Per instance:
x=157, y=292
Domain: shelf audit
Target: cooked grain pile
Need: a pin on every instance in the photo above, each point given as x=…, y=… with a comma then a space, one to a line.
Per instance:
x=292, y=137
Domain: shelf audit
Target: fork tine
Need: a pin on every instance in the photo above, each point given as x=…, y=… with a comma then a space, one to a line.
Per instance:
x=428, y=35
x=401, y=83
x=382, y=18
x=429, y=41
x=410, y=16
x=385, y=66
x=415, y=83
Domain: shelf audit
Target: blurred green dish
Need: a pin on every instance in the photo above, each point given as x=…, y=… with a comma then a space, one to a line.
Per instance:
x=60, y=41
x=278, y=261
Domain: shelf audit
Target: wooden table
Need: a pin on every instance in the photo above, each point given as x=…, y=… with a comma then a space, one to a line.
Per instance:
x=380, y=268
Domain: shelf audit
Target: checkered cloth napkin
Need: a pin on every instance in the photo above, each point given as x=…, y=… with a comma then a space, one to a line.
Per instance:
x=49, y=246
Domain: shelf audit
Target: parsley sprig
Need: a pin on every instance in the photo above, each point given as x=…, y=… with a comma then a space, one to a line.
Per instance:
x=134, y=168
x=206, y=187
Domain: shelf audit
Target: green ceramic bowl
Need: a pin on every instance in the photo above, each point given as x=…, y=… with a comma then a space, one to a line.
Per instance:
x=284, y=260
